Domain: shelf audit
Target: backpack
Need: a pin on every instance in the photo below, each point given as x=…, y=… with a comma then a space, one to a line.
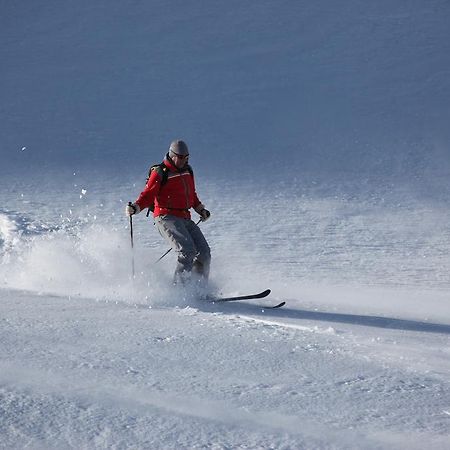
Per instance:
x=163, y=172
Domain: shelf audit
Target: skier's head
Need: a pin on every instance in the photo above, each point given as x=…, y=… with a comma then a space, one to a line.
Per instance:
x=179, y=153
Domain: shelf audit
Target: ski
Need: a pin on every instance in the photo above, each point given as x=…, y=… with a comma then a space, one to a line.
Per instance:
x=239, y=297
x=274, y=307
x=259, y=295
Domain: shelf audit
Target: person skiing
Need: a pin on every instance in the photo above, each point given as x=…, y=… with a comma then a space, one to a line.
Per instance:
x=170, y=193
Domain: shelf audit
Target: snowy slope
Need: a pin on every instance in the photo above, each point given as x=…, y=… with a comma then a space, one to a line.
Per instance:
x=319, y=137
x=78, y=374
x=90, y=359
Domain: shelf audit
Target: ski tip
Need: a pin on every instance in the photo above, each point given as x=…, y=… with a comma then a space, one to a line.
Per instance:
x=279, y=305
x=274, y=306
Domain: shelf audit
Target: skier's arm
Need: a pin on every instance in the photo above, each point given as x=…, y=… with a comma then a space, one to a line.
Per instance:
x=200, y=207
x=147, y=196
x=197, y=204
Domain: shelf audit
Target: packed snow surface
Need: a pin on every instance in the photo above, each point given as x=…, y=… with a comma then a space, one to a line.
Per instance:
x=318, y=134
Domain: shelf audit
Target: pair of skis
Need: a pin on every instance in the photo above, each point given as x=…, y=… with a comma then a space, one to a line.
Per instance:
x=262, y=294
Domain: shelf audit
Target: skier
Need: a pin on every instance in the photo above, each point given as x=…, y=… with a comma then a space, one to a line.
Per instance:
x=170, y=193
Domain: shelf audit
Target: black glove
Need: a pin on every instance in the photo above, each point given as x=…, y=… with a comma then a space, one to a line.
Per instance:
x=204, y=214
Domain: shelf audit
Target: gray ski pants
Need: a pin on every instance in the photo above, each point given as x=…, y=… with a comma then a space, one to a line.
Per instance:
x=186, y=238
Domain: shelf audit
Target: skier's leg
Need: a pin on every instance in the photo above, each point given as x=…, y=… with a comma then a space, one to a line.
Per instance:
x=203, y=256
x=174, y=230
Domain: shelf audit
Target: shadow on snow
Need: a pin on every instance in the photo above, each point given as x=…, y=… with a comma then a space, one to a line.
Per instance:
x=352, y=319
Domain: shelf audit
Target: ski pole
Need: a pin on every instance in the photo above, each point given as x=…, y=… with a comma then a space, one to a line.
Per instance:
x=170, y=249
x=132, y=243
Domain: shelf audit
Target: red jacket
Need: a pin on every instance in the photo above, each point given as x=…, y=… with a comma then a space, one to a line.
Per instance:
x=175, y=197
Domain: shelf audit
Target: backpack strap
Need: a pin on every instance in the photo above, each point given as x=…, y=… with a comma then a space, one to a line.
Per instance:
x=188, y=167
x=163, y=172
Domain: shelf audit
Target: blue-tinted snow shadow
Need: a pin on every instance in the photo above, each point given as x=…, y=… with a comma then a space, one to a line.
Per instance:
x=352, y=319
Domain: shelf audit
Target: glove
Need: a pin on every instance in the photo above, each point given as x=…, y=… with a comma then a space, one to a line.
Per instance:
x=132, y=208
x=204, y=214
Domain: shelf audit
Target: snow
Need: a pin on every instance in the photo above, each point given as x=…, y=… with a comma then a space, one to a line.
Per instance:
x=92, y=374
x=93, y=359
x=319, y=139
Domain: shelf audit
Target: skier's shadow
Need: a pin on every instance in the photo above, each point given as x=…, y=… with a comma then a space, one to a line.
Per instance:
x=352, y=319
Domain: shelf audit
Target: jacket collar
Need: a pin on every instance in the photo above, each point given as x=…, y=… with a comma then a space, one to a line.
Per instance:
x=171, y=165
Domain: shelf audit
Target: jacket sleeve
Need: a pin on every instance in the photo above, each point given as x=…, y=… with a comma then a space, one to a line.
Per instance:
x=197, y=205
x=151, y=190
